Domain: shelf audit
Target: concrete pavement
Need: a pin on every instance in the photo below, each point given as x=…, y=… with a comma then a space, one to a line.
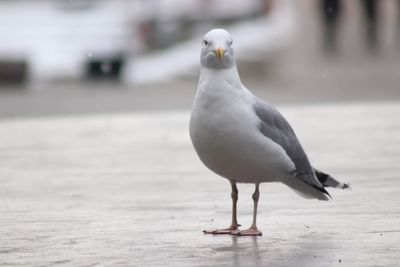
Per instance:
x=128, y=190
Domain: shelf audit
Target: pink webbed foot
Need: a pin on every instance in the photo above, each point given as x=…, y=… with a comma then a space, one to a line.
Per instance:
x=252, y=231
x=231, y=230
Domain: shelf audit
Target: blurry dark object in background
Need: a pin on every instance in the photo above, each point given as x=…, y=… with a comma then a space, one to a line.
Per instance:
x=13, y=72
x=166, y=26
x=266, y=7
x=371, y=10
x=398, y=23
x=108, y=68
x=161, y=33
x=331, y=11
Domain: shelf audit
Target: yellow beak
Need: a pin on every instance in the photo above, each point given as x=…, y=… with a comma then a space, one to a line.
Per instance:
x=220, y=52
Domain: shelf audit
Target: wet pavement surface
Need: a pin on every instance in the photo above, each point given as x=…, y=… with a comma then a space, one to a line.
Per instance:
x=128, y=190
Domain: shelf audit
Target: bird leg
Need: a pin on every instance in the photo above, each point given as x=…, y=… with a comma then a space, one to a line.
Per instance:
x=234, y=227
x=253, y=231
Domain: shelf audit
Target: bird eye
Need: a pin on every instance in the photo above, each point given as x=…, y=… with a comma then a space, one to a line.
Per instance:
x=230, y=42
x=205, y=42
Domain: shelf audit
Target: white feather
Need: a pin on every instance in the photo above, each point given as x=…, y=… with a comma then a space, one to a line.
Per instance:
x=224, y=131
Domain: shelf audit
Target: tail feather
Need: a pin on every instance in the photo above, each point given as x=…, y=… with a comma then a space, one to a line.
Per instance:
x=306, y=190
x=329, y=181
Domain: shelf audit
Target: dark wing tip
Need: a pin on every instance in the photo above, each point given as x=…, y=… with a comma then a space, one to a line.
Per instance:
x=346, y=187
x=307, y=181
x=323, y=190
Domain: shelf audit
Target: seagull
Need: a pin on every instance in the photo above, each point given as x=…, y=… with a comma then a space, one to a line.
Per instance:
x=243, y=138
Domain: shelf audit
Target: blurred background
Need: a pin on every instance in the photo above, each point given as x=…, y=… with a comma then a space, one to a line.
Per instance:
x=96, y=56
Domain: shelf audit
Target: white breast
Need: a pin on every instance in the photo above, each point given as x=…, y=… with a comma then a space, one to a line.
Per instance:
x=224, y=132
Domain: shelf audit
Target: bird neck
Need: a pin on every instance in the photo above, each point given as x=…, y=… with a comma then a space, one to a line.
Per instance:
x=222, y=76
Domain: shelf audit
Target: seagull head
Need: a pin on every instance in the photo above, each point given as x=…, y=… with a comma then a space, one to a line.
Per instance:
x=216, y=50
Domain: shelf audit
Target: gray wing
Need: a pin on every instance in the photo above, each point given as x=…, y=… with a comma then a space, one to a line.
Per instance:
x=274, y=126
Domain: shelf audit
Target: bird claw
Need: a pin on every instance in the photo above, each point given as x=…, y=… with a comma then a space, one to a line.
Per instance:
x=232, y=230
x=235, y=232
x=250, y=232
x=217, y=232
